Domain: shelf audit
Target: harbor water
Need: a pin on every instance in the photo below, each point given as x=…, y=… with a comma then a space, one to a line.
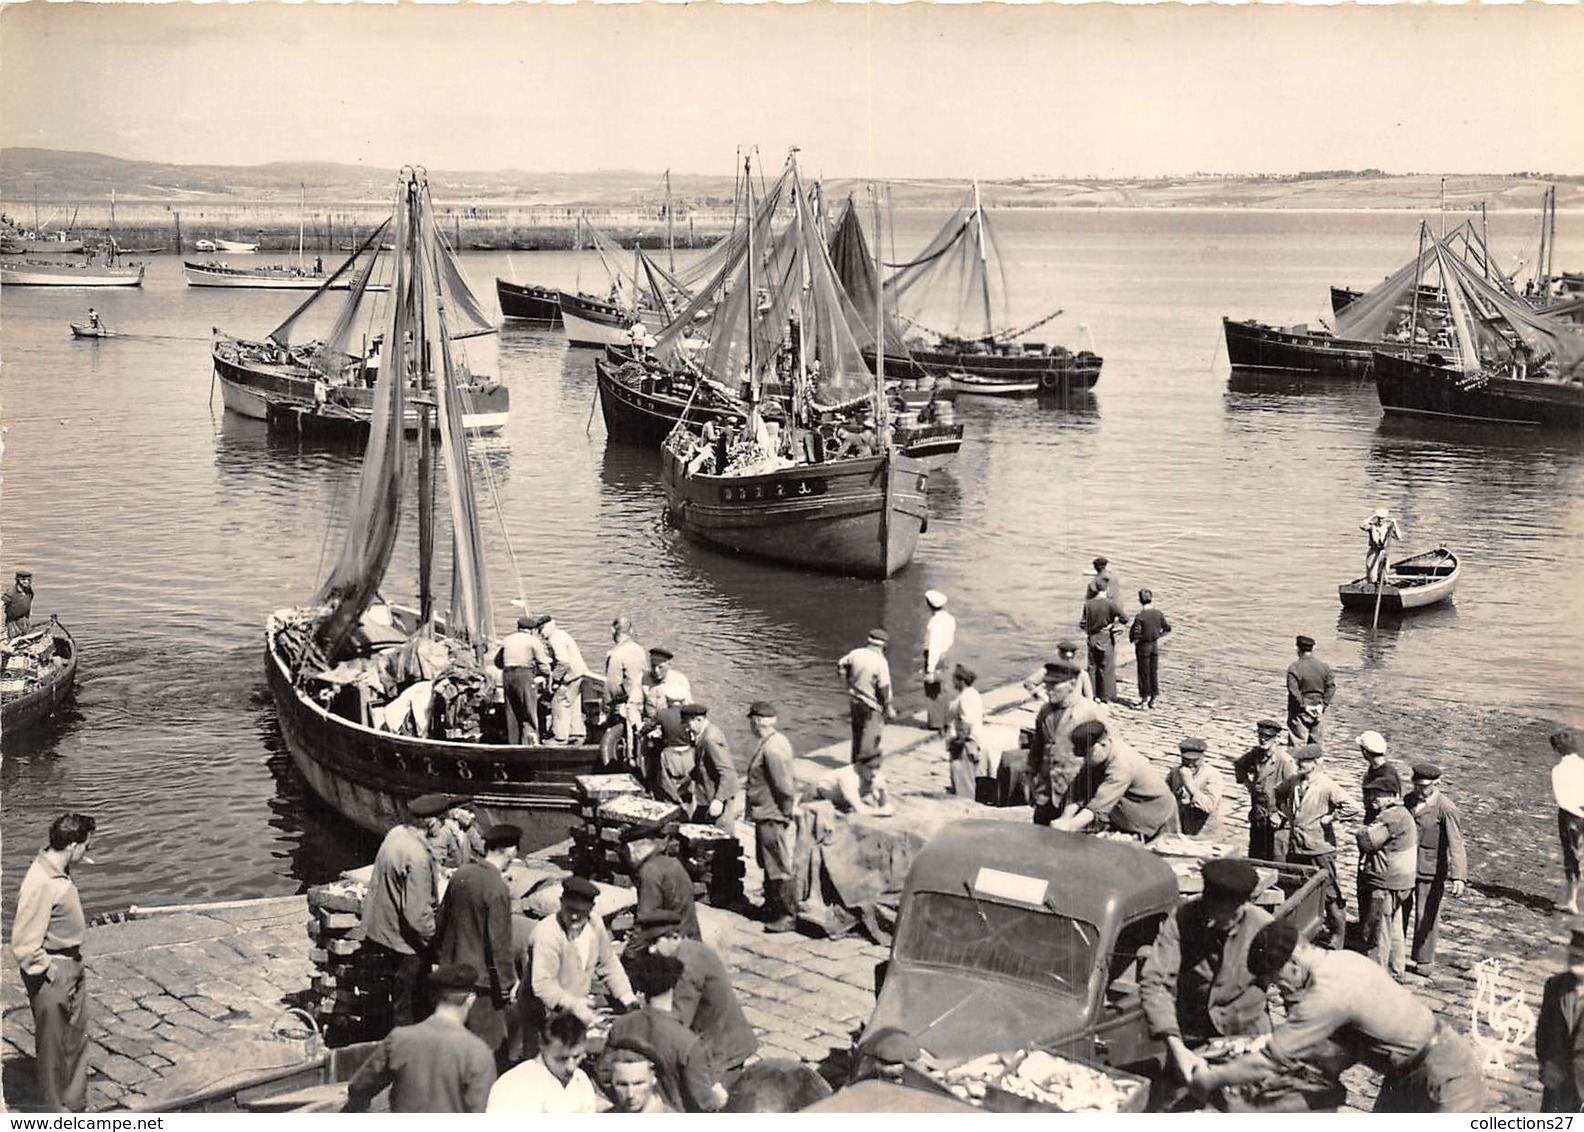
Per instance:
x=163, y=531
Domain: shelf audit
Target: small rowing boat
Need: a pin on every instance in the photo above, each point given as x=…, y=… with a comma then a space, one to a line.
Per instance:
x=40, y=669
x=79, y=330
x=1411, y=583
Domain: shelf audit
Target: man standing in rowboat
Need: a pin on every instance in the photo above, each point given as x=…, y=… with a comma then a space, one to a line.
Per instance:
x=1381, y=529
x=19, y=605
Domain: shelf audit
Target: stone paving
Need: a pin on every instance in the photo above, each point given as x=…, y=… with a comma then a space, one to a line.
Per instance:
x=184, y=999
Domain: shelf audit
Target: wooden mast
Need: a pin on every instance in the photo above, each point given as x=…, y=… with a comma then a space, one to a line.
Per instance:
x=984, y=263
x=882, y=418
x=670, y=227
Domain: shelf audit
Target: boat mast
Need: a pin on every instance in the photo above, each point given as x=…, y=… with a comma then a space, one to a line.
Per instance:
x=302, y=208
x=1443, y=208
x=752, y=302
x=1413, y=315
x=423, y=402
x=670, y=227
x=1485, y=239
x=577, y=247
x=984, y=263
x=882, y=417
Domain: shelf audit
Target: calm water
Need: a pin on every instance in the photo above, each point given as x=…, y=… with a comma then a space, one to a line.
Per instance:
x=163, y=531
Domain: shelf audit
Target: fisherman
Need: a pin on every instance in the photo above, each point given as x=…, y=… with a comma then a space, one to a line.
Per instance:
x=1388, y=855
x=1197, y=787
x=1120, y=789
x=458, y=841
x=1559, y=1036
x=569, y=949
x=717, y=792
x=1311, y=804
x=1262, y=768
x=772, y=799
x=859, y=788
x=1442, y=865
x=1310, y=690
x=672, y=772
x=1099, y=619
x=566, y=682
x=966, y=755
x=624, y=673
x=1567, y=785
x=18, y=600
x=398, y=916
x=857, y=437
x=704, y=1000
x=47, y=933
x=940, y=634
x=1148, y=627
x=868, y=679
x=638, y=337
x=662, y=881
x=551, y=1081
x=436, y=1065
x=634, y=1082
x=1052, y=765
x=474, y=928
x=1425, y=1065
x=1068, y=650
x=93, y=318
x=1372, y=748
x=1104, y=581
x=663, y=684
x=685, y=1078
x=1380, y=530
x=523, y=658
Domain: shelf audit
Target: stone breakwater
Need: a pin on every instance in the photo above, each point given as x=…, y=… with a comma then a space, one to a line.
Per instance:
x=187, y=998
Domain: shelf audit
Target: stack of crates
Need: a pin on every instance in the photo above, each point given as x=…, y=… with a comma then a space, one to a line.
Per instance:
x=714, y=859
x=352, y=997
x=594, y=855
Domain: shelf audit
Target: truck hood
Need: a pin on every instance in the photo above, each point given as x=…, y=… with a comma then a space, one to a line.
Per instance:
x=952, y=1015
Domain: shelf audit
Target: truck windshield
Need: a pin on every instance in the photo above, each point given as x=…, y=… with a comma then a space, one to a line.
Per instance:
x=1050, y=951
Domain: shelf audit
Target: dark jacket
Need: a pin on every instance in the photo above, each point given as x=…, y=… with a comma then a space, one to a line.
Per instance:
x=705, y=1002
x=1441, y=851
x=434, y=1066
x=1149, y=626
x=714, y=775
x=1559, y=1044
x=663, y=882
x=1262, y=772
x=771, y=785
x=474, y=927
x=1099, y=614
x=683, y=1075
x=1195, y=982
x=1309, y=680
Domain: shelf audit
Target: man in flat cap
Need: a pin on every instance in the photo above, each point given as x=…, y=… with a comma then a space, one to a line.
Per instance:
x=436, y=1065
x=772, y=792
x=663, y=685
x=569, y=949
x=1261, y=769
x=1119, y=788
x=704, y=1000
x=1443, y=864
x=524, y=660
x=683, y=1073
x=1148, y=627
x=1311, y=804
x=1195, y=983
x=1310, y=689
x=662, y=881
x=1100, y=618
x=940, y=634
x=1388, y=859
x=966, y=756
x=624, y=674
x=18, y=600
x=1197, y=787
x=716, y=789
x=399, y=911
x=474, y=927
x=1052, y=765
x=867, y=676
x=1559, y=1036
x=567, y=670
x=1342, y=999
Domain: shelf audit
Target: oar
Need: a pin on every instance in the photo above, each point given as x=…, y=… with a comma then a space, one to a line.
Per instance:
x=1380, y=584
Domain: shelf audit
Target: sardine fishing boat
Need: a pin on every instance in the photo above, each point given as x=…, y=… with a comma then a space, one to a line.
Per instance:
x=379, y=703
x=528, y=302
x=42, y=273
x=39, y=674
x=1410, y=583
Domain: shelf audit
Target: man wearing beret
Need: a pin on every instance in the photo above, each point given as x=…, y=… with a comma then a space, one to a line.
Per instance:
x=1388, y=857
x=1119, y=788
x=1559, y=1036
x=686, y=1079
x=474, y=927
x=1339, y=997
x=1310, y=690
x=569, y=949
x=399, y=912
x=1195, y=983
x=1262, y=768
x=717, y=792
x=1311, y=804
x=18, y=599
x=1443, y=864
x=704, y=1000
x=1052, y=765
x=663, y=685
x=662, y=881
x=772, y=802
x=868, y=678
x=1099, y=619
x=436, y=1065
x=1197, y=787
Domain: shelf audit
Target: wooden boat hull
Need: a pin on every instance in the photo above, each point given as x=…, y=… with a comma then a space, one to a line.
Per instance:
x=646, y=418
x=235, y=247
x=1253, y=345
x=307, y=1086
x=368, y=776
x=28, y=710
x=80, y=331
x=1411, y=583
x=258, y=278
x=529, y=303
x=594, y=322
x=859, y=517
x=1055, y=371
x=1421, y=389
x=68, y=275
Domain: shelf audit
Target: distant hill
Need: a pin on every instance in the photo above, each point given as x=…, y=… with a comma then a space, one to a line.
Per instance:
x=61, y=177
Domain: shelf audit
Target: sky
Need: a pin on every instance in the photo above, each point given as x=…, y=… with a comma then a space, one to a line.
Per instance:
x=897, y=90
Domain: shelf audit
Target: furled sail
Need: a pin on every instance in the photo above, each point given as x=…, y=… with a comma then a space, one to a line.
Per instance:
x=948, y=288
x=365, y=269
x=1550, y=346
x=855, y=268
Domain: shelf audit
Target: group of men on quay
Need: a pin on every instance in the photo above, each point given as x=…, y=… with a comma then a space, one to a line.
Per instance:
x=493, y=1012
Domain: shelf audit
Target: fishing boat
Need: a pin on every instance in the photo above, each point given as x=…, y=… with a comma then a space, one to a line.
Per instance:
x=790, y=498
x=205, y=246
x=529, y=302
x=40, y=671
x=1433, y=388
x=322, y=658
x=1298, y=349
x=335, y=378
x=235, y=247
x=269, y=277
x=1410, y=583
x=15, y=241
x=84, y=330
x=600, y=322
x=41, y=273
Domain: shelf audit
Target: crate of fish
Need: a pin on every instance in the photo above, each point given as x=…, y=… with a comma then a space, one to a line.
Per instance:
x=1037, y=1081
x=618, y=817
x=593, y=789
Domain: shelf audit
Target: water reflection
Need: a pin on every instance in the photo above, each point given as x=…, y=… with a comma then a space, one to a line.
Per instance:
x=1252, y=384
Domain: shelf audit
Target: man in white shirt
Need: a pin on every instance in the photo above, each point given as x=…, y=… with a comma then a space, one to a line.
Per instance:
x=1567, y=783
x=868, y=678
x=662, y=684
x=965, y=733
x=624, y=672
x=552, y=1081
x=940, y=633
x=566, y=679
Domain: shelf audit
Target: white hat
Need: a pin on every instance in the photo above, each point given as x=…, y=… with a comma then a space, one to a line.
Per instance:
x=1380, y=513
x=1373, y=742
x=935, y=598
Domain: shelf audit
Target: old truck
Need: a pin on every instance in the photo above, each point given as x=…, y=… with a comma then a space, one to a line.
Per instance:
x=1022, y=937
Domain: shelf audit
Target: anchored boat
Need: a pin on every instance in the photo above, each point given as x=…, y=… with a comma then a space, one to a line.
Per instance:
x=1410, y=583
x=529, y=302
x=40, y=273
x=40, y=671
